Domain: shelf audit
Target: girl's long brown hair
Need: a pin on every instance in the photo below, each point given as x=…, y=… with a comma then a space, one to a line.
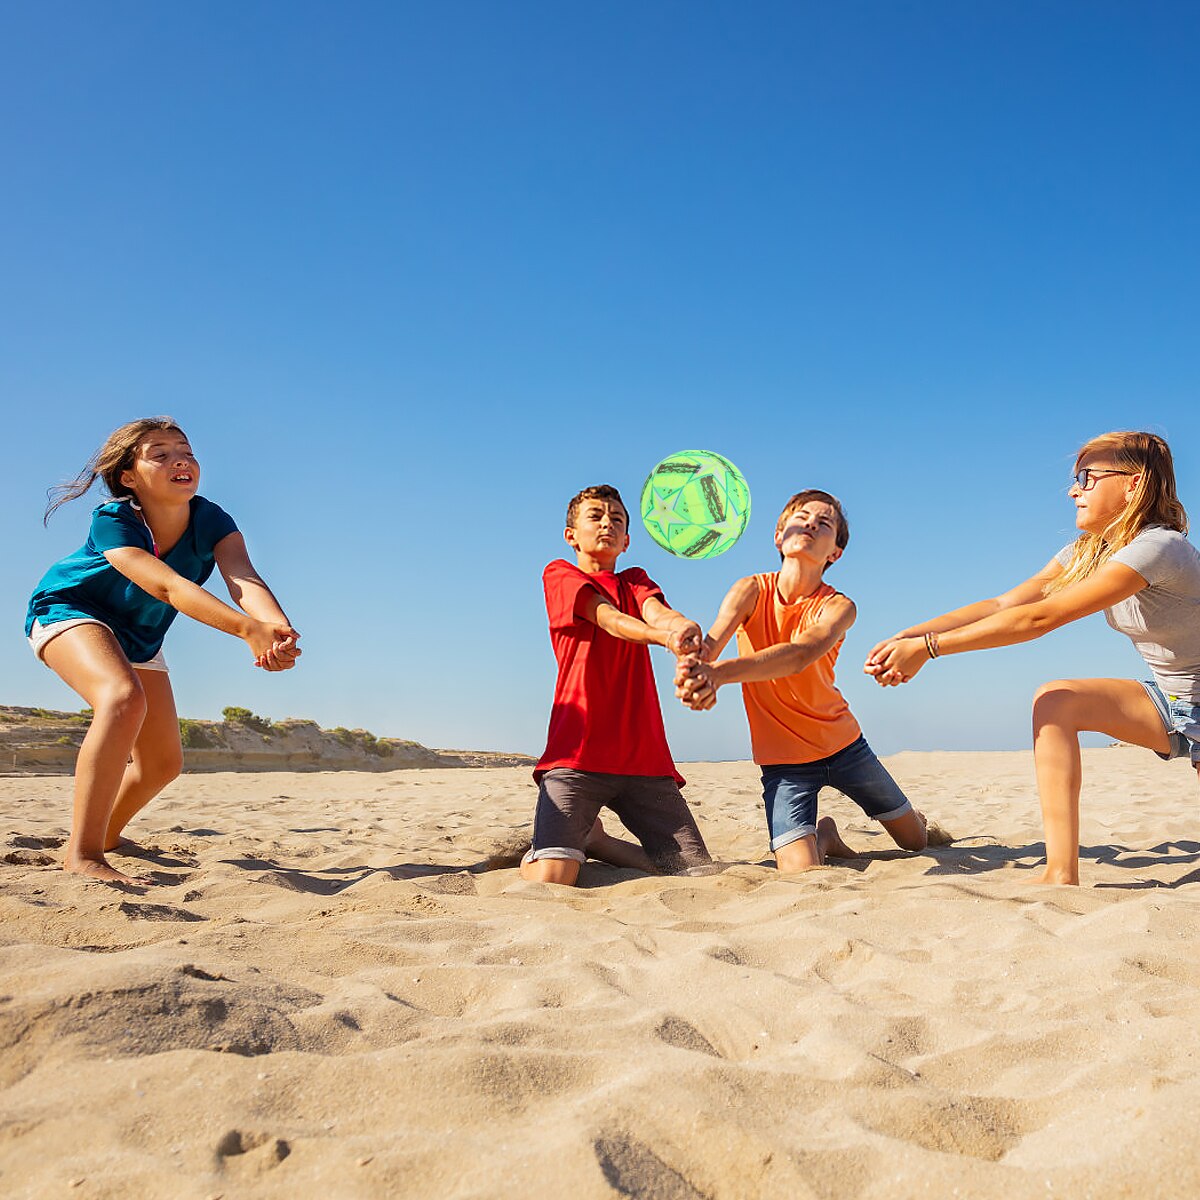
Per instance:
x=109, y=462
x=1153, y=502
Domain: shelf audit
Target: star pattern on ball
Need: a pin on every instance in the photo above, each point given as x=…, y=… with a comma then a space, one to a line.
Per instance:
x=695, y=504
x=664, y=512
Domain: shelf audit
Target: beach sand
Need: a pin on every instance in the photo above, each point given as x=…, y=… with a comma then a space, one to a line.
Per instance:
x=327, y=996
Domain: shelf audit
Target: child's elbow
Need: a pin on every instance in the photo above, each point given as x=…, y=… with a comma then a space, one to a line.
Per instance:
x=1043, y=621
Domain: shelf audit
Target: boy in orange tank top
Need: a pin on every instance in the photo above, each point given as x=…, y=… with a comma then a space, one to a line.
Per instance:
x=790, y=625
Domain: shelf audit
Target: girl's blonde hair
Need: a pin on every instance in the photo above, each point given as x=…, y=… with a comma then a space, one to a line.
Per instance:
x=1153, y=502
x=109, y=462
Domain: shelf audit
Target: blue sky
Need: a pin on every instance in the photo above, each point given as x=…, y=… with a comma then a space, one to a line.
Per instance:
x=410, y=275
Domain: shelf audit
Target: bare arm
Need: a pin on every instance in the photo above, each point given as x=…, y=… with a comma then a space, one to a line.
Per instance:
x=738, y=604
x=684, y=635
x=246, y=586
x=696, y=683
x=1030, y=590
x=1027, y=592
x=249, y=592
x=158, y=580
x=900, y=658
x=790, y=658
x=592, y=606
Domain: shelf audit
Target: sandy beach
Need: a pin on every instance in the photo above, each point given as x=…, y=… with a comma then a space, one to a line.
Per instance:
x=328, y=995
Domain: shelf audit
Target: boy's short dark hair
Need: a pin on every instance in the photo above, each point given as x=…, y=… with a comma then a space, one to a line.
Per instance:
x=800, y=499
x=602, y=491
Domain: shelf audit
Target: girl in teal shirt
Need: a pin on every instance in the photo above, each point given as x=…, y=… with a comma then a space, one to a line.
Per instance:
x=98, y=618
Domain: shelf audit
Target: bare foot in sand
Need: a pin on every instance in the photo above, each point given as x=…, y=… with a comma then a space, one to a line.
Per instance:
x=1056, y=876
x=99, y=870
x=829, y=841
x=123, y=845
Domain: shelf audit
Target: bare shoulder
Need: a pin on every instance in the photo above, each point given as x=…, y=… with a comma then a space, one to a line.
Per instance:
x=839, y=609
x=744, y=590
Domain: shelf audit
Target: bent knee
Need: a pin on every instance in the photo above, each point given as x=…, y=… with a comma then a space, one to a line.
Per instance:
x=914, y=841
x=908, y=832
x=551, y=870
x=1054, y=701
x=162, y=769
x=121, y=700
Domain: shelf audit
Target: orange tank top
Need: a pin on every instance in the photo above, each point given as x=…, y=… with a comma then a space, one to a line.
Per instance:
x=800, y=718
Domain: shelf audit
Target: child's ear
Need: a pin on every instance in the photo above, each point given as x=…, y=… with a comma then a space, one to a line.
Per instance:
x=834, y=557
x=569, y=534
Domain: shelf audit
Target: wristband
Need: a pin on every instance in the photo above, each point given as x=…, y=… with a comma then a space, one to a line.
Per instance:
x=931, y=645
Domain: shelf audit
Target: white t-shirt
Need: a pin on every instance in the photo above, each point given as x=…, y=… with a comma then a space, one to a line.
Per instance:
x=1163, y=619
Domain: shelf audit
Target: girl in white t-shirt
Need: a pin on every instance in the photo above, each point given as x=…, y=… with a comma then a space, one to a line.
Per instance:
x=1133, y=561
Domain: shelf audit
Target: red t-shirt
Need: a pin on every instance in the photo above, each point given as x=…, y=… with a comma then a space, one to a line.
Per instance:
x=606, y=716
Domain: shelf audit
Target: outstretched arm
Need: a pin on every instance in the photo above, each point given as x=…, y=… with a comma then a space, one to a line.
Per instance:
x=697, y=682
x=592, y=606
x=158, y=580
x=683, y=634
x=1027, y=592
x=737, y=606
x=249, y=592
x=899, y=659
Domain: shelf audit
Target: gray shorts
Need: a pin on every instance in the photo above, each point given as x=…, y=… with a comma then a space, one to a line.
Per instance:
x=40, y=635
x=651, y=807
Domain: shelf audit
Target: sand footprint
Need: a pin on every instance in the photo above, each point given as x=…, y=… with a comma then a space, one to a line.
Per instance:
x=974, y=1126
x=677, y=1032
x=30, y=858
x=633, y=1169
x=156, y=912
x=248, y=1154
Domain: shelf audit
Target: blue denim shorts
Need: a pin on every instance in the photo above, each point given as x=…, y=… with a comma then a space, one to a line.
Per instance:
x=1181, y=719
x=790, y=791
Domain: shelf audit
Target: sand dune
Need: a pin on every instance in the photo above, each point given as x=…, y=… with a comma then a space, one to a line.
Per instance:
x=327, y=996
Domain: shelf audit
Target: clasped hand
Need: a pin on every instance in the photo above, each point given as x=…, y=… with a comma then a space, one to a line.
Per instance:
x=694, y=683
x=274, y=646
x=896, y=660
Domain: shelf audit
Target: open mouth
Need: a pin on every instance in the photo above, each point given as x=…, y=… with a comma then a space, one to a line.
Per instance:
x=183, y=477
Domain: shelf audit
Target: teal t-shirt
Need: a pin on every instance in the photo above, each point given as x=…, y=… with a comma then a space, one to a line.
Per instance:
x=84, y=584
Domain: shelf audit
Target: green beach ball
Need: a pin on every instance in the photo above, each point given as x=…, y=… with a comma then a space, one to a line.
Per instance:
x=695, y=504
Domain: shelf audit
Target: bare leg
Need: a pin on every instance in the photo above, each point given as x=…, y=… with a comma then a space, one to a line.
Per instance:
x=909, y=830
x=799, y=855
x=157, y=755
x=88, y=659
x=829, y=841
x=1061, y=711
x=814, y=850
x=551, y=870
x=606, y=848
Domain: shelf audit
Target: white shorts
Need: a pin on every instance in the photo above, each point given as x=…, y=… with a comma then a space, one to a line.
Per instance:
x=42, y=635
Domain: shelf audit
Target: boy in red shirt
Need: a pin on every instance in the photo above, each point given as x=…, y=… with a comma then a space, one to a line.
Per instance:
x=606, y=744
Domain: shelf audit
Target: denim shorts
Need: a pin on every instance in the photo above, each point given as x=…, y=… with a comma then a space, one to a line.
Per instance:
x=1181, y=719
x=790, y=791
